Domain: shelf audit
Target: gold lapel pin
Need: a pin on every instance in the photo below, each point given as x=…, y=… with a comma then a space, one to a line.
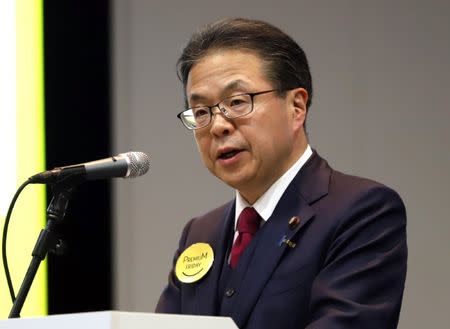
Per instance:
x=293, y=222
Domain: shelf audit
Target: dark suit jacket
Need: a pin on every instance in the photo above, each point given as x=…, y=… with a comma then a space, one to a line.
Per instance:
x=347, y=269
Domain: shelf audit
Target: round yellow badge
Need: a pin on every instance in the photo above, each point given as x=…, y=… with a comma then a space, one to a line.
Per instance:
x=194, y=262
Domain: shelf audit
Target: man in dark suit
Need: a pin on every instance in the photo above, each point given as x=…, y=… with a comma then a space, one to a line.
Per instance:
x=301, y=245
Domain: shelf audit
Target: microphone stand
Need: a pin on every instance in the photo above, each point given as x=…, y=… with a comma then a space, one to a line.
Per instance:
x=47, y=241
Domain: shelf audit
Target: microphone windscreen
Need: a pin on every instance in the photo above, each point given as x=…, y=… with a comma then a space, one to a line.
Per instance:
x=139, y=163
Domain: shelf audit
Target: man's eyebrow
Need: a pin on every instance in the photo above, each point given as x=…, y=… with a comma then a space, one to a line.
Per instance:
x=233, y=85
x=196, y=98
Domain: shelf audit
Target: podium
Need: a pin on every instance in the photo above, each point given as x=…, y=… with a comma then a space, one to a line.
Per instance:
x=119, y=320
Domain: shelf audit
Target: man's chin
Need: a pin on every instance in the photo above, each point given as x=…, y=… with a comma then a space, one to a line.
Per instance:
x=236, y=181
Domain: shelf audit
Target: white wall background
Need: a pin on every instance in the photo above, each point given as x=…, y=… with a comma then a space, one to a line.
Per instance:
x=381, y=73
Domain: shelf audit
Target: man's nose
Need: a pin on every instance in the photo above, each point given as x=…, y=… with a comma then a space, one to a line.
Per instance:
x=220, y=124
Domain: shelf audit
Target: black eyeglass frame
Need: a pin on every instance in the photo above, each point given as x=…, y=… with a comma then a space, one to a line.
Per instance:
x=222, y=110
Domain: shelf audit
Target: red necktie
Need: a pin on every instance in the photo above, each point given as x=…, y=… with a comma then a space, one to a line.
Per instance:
x=247, y=225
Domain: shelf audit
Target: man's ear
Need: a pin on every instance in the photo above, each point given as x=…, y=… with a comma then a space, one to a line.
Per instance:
x=299, y=99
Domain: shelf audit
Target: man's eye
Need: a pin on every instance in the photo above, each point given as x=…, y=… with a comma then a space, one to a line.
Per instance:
x=198, y=113
x=237, y=101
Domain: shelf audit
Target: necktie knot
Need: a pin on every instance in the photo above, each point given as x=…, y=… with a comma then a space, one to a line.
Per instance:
x=248, y=221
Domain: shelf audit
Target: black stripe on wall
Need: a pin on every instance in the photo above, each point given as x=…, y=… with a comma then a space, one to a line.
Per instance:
x=77, y=103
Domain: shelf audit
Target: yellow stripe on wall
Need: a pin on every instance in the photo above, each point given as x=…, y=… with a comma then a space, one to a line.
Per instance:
x=29, y=214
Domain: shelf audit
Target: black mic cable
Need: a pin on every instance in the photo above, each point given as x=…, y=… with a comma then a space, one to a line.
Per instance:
x=5, y=233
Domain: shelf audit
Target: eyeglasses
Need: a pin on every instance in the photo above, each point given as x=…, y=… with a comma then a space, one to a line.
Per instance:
x=232, y=107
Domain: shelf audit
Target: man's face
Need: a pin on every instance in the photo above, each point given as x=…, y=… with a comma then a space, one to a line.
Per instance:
x=260, y=146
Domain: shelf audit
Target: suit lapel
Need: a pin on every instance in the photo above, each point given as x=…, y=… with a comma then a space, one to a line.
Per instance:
x=272, y=241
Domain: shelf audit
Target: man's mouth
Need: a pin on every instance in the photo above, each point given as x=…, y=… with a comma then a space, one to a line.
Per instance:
x=228, y=154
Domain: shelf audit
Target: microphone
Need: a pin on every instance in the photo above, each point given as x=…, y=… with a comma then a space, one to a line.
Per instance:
x=126, y=165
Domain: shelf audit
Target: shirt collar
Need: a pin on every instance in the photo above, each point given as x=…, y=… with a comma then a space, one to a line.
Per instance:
x=266, y=204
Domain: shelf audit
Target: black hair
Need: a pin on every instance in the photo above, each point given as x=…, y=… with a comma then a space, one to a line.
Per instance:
x=285, y=61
